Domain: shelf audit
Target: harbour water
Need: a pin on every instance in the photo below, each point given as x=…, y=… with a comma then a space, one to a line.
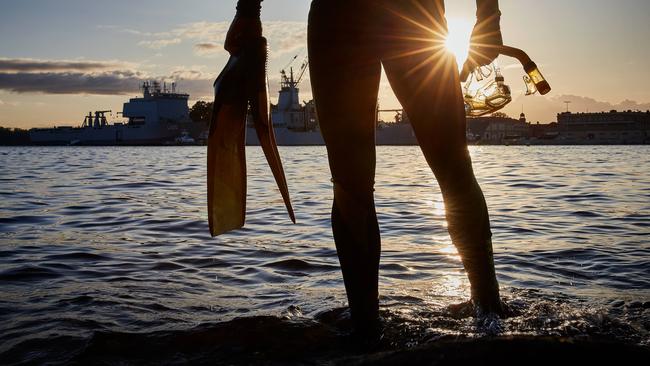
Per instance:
x=110, y=246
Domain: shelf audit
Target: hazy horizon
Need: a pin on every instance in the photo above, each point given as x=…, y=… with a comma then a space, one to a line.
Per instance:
x=59, y=60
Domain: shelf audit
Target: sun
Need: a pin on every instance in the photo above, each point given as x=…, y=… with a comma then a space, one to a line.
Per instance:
x=457, y=42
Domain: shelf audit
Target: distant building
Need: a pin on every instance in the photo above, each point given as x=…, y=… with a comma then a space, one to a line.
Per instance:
x=541, y=134
x=498, y=130
x=604, y=128
x=615, y=128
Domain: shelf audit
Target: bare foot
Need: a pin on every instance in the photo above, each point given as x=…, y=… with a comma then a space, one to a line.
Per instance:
x=472, y=308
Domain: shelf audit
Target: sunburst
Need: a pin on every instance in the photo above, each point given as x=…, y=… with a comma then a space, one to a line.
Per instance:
x=435, y=41
x=458, y=37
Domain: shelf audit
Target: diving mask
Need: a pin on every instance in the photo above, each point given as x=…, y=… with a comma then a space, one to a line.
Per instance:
x=485, y=91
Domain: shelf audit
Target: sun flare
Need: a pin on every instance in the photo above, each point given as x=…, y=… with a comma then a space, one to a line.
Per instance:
x=457, y=41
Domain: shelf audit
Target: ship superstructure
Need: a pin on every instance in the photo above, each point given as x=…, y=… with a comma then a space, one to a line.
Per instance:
x=296, y=122
x=289, y=112
x=157, y=117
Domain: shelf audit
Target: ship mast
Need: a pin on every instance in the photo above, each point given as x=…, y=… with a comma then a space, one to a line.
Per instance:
x=289, y=81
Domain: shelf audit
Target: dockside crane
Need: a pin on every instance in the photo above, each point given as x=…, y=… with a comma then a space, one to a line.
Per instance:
x=98, y=121
x=303, y=70
x=290, y=81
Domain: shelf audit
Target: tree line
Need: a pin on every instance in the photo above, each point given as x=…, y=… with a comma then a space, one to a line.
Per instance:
x=14, y=136
x=201, y=111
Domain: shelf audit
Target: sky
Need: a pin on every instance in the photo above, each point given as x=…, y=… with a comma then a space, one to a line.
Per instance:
x=60, y=59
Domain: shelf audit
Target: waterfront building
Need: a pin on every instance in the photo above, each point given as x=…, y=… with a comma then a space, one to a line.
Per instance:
x=604, y=128
x=498, y=130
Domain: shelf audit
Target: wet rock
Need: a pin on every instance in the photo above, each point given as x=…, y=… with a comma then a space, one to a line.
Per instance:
x=635, y=305
x=293, y=311
x=505, y=351
x=618, y=303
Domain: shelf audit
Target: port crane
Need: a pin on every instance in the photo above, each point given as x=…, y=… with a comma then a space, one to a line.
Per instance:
x=97, y=121
x=289, y=80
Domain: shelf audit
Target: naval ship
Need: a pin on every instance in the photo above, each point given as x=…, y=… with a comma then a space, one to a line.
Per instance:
x=296, y=124
x=158, y=117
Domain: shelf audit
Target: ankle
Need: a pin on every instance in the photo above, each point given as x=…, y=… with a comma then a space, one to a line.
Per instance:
x=488, y=305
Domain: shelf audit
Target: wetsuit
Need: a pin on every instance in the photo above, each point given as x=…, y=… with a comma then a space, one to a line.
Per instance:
x=349, y=41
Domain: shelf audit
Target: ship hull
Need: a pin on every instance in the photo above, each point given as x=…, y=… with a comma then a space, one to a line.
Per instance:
x=107, y=135
x=398, y=134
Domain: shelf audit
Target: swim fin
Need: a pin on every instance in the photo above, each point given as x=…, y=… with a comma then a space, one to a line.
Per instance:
x=243, y=81
x=226, y=150
x=259, y=102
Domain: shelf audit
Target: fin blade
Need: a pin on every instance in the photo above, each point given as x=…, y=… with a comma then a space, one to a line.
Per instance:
x=261, y=117
x=226, y=153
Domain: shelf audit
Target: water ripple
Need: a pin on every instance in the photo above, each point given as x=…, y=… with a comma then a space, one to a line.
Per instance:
x=93, y=240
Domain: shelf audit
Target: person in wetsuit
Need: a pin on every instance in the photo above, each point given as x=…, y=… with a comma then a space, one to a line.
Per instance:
x=348, y=42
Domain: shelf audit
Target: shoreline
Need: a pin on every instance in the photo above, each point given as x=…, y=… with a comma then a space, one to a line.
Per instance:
x=279, y=341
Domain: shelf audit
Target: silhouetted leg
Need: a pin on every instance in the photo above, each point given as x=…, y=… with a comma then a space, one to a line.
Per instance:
x=427, y=84
x=345, y=80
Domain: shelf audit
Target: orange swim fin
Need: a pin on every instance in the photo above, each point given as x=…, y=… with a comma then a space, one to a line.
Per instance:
x=226, y=150
x=242, y=82
x=259, y=102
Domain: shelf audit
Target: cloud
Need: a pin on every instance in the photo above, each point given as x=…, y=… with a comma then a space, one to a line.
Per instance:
x=111, y=83
x=584, y=104
x=197, y=88
x=190, y=73
x=27, y=65
x=135, y=32
x=68, y=77
x=106, y=83
x=203, y=31
x=208, y=49
x=284, y=36
x=206, y=46
x=159, y=43
x=92, y=77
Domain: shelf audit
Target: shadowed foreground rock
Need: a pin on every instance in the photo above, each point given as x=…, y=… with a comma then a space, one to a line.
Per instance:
x=276, y=341
x=510, y=351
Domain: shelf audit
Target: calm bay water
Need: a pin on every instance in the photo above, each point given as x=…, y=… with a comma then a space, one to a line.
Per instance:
x=109, y=240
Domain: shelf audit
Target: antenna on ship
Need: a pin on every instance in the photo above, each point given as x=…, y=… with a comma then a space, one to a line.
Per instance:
x=289, y=63
x=289, y=81
x=146, y=89
x=567, y=102
x=88, y=120
x=303, y=69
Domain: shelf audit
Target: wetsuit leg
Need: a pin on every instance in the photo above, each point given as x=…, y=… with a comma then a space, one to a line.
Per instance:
x=425, y=79
x=345, y=74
